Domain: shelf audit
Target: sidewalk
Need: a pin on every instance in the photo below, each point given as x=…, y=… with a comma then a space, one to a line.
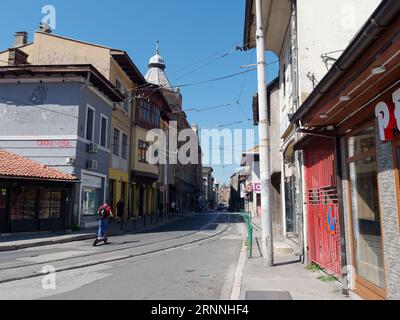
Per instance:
x=287, y=280
x=11, y=242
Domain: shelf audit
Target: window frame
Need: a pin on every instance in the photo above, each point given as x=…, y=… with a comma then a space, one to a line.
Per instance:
x=102, y=116
x=118, y=154
x=88, y=106
x=124, y=105
x=124, y=148
x=143, y=146
x=362, y=285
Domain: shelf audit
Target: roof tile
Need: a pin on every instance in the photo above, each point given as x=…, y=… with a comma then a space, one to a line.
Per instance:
x=13, y=165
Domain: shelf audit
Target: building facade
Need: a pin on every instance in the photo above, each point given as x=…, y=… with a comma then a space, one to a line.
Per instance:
x=354, y=120
x=60, y=121
x=293, y=32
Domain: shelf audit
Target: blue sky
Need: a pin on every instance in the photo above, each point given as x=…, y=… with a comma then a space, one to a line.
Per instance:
x=191, y=33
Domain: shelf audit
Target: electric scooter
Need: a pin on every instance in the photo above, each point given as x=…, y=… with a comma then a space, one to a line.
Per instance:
x=97, y=241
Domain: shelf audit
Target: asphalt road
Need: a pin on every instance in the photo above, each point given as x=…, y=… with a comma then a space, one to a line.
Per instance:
x=192, y=259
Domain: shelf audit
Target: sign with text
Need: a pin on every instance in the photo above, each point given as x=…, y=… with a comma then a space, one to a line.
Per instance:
x=388, y=114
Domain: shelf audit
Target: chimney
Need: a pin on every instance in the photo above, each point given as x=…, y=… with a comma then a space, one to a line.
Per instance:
x=17, y=57
x=20, y=39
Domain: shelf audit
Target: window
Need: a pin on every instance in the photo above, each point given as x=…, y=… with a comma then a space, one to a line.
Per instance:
x=365, y=213
x=116, y=142
x=121, y=88
x=23, y=203
x=142, y=154
x=103, y=131
x=89, y=123
x=148, y=116
x=124, y=146
x=50, y=204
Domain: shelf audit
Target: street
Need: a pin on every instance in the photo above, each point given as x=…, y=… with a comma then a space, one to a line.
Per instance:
x=191, y=259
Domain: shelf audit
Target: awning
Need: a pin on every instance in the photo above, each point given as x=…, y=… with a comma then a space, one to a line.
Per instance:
x=144, y=177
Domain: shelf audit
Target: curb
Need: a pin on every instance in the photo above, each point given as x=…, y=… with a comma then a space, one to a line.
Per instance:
x=14, y=247
x=237, y=283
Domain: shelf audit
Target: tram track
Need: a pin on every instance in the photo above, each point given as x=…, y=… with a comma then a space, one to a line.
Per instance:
x=118, y=258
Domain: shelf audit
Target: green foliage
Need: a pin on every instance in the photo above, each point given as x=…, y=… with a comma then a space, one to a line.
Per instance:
x=313, y=267
x=327, y=278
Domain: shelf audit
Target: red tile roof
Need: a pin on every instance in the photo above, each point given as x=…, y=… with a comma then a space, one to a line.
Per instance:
x=12, y=165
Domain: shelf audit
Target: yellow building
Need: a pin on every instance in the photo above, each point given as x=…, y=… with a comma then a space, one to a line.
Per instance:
x=117, y=67
x=151, y=109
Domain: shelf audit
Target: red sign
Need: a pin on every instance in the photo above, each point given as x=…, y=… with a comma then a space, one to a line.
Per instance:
x=388, y=114
x=54, y=143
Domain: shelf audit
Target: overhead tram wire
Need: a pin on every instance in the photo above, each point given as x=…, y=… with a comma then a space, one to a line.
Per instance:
x=211, y=56
x=225, y=54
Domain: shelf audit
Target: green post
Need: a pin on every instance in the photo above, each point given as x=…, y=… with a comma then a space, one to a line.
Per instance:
x=250, y=239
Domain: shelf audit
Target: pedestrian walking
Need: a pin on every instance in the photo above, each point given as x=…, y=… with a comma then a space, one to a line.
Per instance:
x=160, y=209
x=105, y=214
x=173, y=206
x=121, y=212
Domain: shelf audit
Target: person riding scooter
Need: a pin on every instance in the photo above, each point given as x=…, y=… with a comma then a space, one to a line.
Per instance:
x=105, y=214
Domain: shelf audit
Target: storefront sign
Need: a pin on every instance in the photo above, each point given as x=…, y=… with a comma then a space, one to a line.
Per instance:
x=54, y=143
x=388, y=114
x=91, y=181
x=257, y=187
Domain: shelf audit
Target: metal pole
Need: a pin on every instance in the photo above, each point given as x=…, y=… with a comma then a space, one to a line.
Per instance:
x=266, y=219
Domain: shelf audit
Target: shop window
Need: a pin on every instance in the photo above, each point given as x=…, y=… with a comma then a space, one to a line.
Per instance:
x=365, y=214
x=362, y=142
x=23, y=203
x=90, y=200
x=50, y=204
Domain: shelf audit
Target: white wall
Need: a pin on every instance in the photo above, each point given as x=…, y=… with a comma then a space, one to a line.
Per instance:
x=326, y=26
x=323, y=26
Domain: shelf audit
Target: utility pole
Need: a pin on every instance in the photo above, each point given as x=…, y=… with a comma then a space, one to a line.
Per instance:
x=265, y=176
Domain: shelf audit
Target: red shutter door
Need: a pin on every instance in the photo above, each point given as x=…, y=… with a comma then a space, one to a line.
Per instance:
x=322, y=205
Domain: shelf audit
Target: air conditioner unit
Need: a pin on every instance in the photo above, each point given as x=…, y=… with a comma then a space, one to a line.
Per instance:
x=93, y=148
x=92, y=164
x=70, y=161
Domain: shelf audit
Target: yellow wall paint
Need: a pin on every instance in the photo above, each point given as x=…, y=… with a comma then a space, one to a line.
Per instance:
x=119, y=177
